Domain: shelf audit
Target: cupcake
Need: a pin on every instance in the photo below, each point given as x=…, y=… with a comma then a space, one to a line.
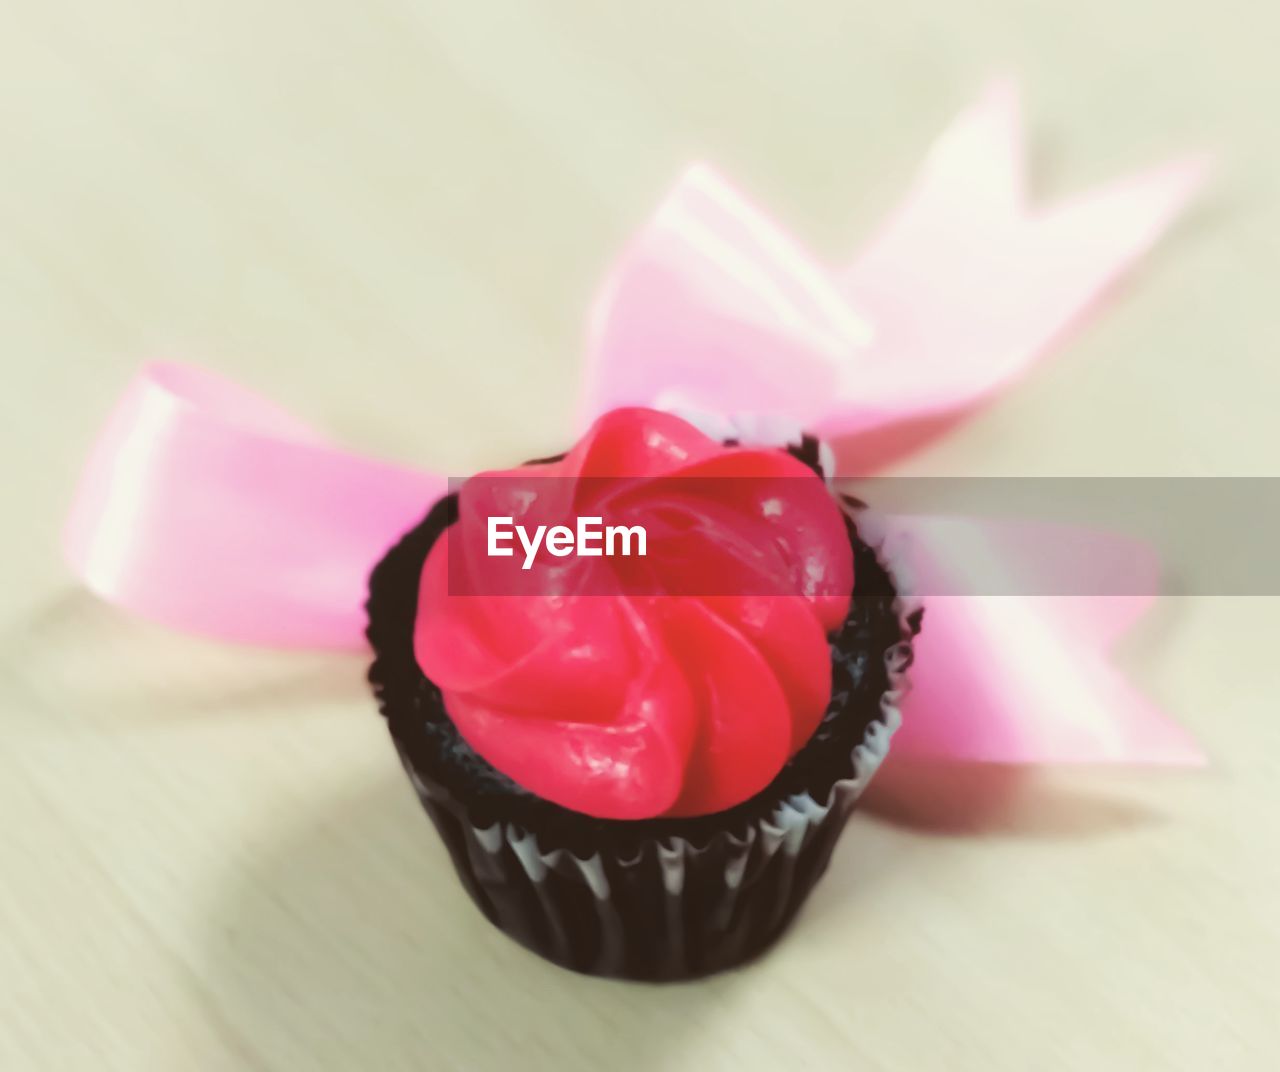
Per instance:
x=638, y=688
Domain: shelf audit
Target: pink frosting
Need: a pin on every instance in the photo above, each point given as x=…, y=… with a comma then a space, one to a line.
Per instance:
x=615, y=686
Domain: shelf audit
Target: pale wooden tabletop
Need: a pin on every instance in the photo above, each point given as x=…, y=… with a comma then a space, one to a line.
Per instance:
x=390, y=216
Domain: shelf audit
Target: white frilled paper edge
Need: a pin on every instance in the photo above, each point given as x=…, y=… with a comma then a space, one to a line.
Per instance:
x=787, y=829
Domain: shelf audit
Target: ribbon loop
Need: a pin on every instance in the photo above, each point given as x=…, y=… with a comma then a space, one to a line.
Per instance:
x=209, y=509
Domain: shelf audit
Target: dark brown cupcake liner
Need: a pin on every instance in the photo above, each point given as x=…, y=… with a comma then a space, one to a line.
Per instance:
x=674, y=909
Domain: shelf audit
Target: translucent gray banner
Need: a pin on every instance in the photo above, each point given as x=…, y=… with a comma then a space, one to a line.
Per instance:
x=1063, y=536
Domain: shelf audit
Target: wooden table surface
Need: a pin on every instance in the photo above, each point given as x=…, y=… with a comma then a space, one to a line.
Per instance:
x=390, y=217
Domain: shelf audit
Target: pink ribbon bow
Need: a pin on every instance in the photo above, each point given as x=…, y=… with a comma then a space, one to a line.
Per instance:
x=209, y=509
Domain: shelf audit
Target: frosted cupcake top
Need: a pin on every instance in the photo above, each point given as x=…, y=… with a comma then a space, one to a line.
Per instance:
x=639, y=628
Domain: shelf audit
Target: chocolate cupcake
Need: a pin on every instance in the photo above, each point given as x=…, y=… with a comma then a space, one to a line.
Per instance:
x=640, y=764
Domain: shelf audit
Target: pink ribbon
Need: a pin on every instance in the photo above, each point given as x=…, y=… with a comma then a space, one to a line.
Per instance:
x=208, y=509
x=1027, y=678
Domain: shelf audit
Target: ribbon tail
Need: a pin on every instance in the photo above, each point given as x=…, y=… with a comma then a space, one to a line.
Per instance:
x=1022, y=676
x=967, y=285
x=207, y=509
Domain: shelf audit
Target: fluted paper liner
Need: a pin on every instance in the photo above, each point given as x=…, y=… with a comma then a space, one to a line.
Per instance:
x=674, y=909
